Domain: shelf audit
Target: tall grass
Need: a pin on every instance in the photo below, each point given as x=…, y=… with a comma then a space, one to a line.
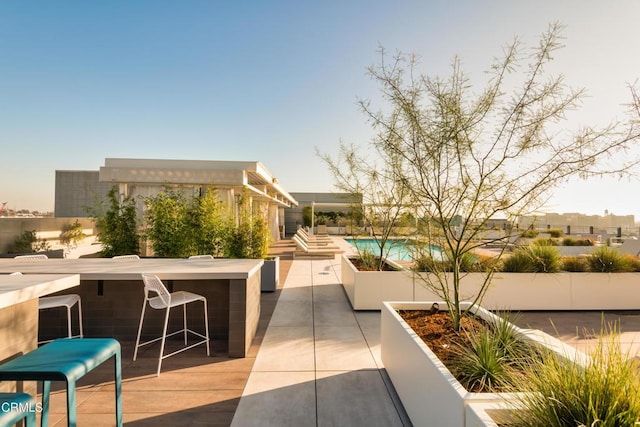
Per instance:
x=575, y=264
x=545, y=258
x=605, y=392
x=538, y=258
x=493, y=359
x=607, y=260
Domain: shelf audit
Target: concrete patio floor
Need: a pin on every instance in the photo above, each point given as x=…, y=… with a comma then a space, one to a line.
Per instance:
x=314, y=362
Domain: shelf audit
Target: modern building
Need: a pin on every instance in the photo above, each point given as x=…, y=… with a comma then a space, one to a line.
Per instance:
x=140, y=178
x=338, y=202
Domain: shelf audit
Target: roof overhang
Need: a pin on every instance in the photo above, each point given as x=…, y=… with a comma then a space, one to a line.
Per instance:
x=252, y=176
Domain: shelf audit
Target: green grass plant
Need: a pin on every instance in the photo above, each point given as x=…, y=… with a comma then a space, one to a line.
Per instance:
x=608, y=260
x=571, y=241
x=483, y=366
x=493, y=359
x=555, y=232
x=538, y=258
x=368, y=260
x=632, y=262
x=604, y=393
x=518, y=262
x=545, y=242
x=545, y=258
x=574, y=264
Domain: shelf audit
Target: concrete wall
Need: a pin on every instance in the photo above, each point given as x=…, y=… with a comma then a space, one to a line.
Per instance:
x=76, y=190
x=46, y=228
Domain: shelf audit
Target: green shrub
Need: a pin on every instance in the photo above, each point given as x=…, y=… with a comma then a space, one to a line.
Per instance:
x=530, y=233
x=539, y=258
x=72, y=234
x=487, y=263
x=632, y=263
x=168, y=224
x=468, y=263
x=545, y=242
x=482, y=366
x=518, y=262
x=544, y=258
x=555, y=232
x=250, y=238
x=607, y=260
x=604, y=392
x=570, y=241
x=117, y=225
x=368, y=259
x=575, y=264
x=493, y=359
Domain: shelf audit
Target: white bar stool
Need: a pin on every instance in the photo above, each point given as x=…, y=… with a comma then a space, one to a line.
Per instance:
x=57, y=301
x=165, y=301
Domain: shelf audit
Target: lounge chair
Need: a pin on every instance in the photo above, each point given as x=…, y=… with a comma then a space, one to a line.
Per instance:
x=313, y=238
x=318, y=251
x=311, y=242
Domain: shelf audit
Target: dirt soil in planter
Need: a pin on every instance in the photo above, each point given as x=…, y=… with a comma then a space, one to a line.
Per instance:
x=362, y=267
x=436, y=330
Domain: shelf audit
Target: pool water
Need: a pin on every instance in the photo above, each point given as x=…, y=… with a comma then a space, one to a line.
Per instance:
x=396, y=249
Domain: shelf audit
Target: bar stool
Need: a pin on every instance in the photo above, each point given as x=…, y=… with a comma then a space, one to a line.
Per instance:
x=56, y=301
x=15, y=407
x=165, y=301
x=68, y=361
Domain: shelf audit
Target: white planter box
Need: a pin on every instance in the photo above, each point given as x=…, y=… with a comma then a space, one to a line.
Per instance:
x=429, y=392
x=487, y=414
x=605, y=291
x=367, y=289
x=507, y=291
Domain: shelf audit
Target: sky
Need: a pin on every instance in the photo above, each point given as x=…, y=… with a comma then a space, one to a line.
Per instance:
x=268, y=81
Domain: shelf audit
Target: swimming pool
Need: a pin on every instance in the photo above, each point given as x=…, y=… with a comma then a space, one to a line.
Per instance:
x=398, y=249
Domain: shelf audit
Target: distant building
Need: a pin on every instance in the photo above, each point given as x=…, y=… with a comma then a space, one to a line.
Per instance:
x=77, y=190
x=140, y=178
x=579, y=223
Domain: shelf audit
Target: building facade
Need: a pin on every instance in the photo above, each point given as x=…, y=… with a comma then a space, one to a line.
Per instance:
x=141, y=178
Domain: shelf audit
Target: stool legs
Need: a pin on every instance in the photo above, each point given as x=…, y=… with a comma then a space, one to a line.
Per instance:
x=206, y=325
x=46, y=392
x=118, y=387
x=164, y=338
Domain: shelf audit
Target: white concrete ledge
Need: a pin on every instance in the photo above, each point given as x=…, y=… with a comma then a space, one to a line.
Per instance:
x=165, y=268
x=17, y=289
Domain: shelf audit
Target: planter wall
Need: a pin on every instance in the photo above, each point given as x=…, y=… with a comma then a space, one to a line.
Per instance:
x=367, y=289
x=429, y=392
x=507, y=291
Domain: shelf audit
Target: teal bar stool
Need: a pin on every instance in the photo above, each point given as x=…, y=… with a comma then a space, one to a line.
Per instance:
x=15, y=407
x=66, y=360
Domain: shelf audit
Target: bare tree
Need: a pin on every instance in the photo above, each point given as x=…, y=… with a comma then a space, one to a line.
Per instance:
x=383, y=197
x=496, y=153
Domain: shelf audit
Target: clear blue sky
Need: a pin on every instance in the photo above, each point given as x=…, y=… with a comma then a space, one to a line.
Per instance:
x=264, y=80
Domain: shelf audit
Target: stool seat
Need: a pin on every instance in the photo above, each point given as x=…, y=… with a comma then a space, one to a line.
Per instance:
x=15, y=407
x=66, y=360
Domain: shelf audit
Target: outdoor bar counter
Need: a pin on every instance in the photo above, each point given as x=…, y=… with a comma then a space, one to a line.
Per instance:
x=112, y=295
x=19, y=313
